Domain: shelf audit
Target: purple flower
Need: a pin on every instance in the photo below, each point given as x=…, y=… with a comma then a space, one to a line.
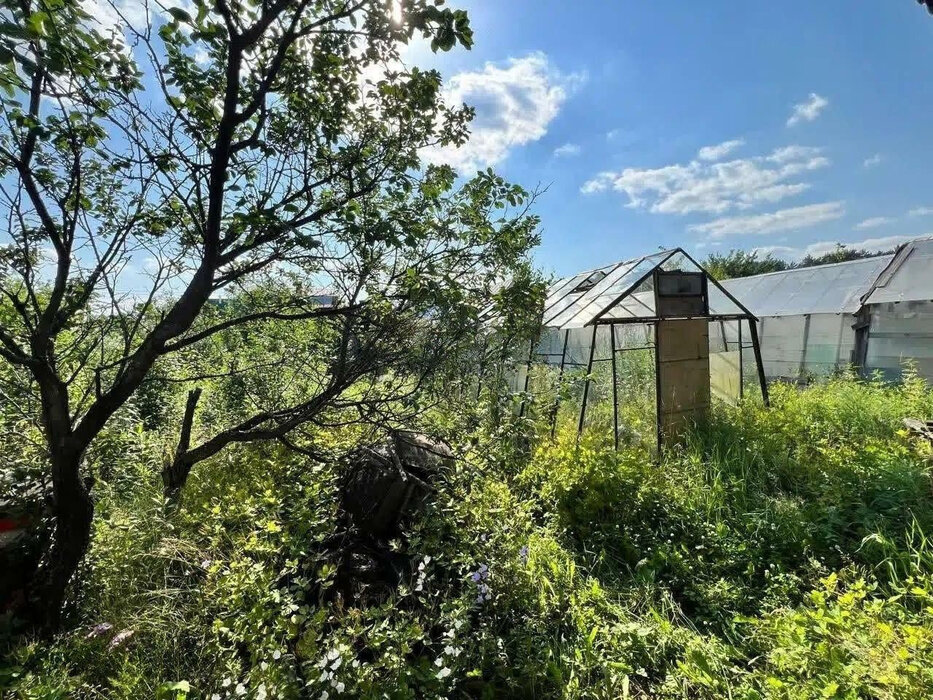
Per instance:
x=479, y=577
x=98, y=630
x=119, y=638
x=523, y=554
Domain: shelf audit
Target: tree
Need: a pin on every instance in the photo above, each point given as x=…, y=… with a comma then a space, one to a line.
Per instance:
x=840, y=253
x=268, y=151
x=740, y=263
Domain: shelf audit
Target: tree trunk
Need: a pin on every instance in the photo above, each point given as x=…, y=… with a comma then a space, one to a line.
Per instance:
x=73, y=512
x=175, y=473
x=174, y=477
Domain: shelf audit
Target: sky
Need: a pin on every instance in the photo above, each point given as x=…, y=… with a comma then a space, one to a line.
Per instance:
x=780, y=127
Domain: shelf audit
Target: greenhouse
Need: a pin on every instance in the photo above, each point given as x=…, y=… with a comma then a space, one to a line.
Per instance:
x=639, y=349
x=873, y=313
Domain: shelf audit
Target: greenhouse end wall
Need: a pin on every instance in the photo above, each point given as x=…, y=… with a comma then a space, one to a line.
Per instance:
x=899, y=333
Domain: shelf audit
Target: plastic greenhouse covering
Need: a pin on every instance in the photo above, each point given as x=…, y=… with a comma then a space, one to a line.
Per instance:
x=876, y=313
x=825, y=289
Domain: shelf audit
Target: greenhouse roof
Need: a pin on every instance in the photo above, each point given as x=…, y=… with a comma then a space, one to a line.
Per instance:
x=907, y=277
x=823, y=289
x=624, y=292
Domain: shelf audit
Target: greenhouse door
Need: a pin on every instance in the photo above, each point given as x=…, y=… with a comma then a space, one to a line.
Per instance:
x=683, y=384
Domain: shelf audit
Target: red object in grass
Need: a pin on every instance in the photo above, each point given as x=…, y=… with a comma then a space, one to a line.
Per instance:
x=9, y=524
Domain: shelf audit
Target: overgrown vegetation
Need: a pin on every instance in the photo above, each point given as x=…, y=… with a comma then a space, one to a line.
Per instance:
x=776, y=553
x=780, y=553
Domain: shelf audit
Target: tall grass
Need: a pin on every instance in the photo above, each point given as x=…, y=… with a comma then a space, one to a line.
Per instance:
x=778, y=552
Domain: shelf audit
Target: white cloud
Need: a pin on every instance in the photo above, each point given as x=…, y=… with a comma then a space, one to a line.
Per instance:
x=772, y=222
x=874, y=222
x=873, y=161
x=809, y=110
x=514, y=101
x=719, y=151
x=712, y=187
x=920, y=211
x=568, y=150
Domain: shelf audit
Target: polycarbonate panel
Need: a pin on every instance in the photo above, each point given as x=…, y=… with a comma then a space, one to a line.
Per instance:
x=781, y=339
x=834, y=288
x=634, y=336
x=578, y=347
x=640, y=303
x=550, y=346
x=899, y=333
x=589, y=300
x=721, y=305
x=725, y=376
x=724, y=336
x=615, y=285
x=830, y=340
x=910, y=277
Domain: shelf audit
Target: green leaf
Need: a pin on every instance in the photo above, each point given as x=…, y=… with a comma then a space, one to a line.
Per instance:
x=180, y=15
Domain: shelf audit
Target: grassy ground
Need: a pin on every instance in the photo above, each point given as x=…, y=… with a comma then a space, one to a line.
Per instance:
x=781, y=553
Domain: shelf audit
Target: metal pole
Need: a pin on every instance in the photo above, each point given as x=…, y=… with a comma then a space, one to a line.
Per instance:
x=657, y=385
x=761, y=368
x=586, y=386
x=560, y=379
x=615, y=390
x=741, y=367
x=531, y=354
x=803, y=355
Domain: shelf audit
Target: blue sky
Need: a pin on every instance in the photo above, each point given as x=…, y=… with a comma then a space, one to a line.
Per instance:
x=610, y=105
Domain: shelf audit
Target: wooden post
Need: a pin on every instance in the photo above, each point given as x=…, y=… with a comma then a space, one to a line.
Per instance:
x=586, y=386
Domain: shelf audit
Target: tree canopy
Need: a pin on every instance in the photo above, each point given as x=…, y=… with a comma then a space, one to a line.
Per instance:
x=740, y=263
x=266, y=154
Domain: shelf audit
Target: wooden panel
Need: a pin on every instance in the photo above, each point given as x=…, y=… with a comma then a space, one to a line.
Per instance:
x=683, y=340
x=683, y=375
x=679, y=294
x=673, y=307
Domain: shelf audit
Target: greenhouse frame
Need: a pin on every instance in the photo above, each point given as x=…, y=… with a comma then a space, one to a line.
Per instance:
x=696, y=338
